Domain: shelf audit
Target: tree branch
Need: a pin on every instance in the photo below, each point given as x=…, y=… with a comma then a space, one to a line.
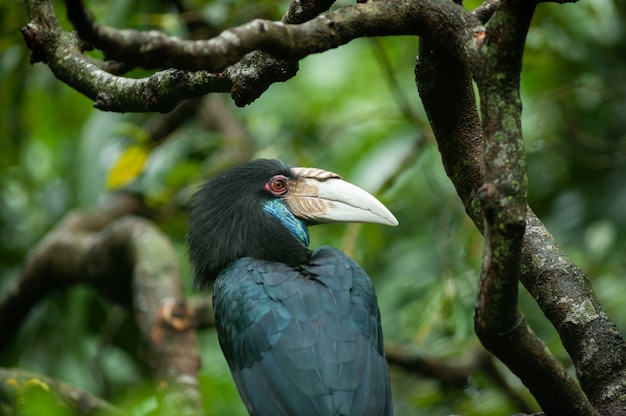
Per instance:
x=565, y=295
x=486, y=10
x=454, y=373
x=166, y=323
x=504, y=201
x=45, y=267
x=62, y=51
x=154, y=49
x=131, y=262
x=503, y=196
x=301, y=11
x=18, y=387
x=447, y=93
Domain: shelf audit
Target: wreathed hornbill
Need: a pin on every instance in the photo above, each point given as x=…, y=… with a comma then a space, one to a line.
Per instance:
x=300, y=329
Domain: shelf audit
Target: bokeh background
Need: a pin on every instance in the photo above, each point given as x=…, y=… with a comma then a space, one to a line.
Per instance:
x=354, y=110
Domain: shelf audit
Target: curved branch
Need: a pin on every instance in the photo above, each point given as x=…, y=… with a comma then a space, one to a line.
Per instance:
x=459, y=30
x=565, y=295
x=506, y=217
x=129, y=260
x=593, y=341
x=154, y=49
x=447, y=93
x=159, y=92
x=45, y=268
x=62, y=52
x=166, y=323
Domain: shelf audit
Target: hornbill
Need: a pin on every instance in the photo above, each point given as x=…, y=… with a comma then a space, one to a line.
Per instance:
x=300, y=329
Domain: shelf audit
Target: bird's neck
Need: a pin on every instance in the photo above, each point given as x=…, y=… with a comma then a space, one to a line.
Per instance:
x=279, y=210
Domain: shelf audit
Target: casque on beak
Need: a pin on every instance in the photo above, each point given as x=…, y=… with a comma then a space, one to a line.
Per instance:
x=318, y=196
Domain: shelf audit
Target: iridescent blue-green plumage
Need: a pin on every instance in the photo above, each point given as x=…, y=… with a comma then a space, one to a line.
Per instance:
x=303, y=340
x=300, y=329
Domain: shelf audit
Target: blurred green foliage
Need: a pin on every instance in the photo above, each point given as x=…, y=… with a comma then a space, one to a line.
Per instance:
x=355, y=111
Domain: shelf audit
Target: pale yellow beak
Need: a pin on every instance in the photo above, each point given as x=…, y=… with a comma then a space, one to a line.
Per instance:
x=319, y=196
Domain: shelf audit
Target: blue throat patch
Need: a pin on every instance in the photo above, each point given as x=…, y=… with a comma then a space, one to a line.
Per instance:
x=279, y=210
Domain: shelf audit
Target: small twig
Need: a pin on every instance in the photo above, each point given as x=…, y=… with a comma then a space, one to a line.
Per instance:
x=450, y=372
x=500, y=381
x=486, y=10
x=161, y=126
x=16, y=386
x=397, y=91
x=301, y=11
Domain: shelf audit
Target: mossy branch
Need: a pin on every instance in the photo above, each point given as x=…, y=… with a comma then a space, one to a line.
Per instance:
x=495, y=173
x=243, y=60
x=127, y=259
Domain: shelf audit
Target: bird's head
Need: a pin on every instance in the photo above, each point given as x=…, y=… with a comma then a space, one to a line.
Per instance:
x=262, y=208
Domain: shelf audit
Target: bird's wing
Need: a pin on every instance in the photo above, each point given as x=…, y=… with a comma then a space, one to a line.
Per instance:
x=303, y=340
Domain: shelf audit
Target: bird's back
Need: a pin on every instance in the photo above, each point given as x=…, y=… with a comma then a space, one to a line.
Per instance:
x=303, y=340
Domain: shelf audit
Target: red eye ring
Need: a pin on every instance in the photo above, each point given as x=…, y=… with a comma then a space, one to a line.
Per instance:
x=278, y=185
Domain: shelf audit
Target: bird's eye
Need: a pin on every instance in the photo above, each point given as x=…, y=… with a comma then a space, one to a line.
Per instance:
x=278, y=185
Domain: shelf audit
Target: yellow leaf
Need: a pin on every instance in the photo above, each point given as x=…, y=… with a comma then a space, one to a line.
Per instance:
x=38, y=383
x=128, y=167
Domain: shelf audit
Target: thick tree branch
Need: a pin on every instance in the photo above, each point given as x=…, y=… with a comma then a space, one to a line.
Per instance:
x=131, y=262
x=154, y=49
x=547, y=272
x=459, y=30
x=167, y=324
x=498, y=322
x=45, y=267
x=503, y=196
x=62, y=52
x=565, y=295
x=447, y=94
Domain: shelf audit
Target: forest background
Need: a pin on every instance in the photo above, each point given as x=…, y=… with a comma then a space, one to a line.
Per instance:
x=353, y=110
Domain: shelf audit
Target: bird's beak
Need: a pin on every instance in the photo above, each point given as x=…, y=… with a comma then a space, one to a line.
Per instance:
x=318, y=196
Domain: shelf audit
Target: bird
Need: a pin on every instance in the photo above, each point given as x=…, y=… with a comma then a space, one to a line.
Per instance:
x=300, y=329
